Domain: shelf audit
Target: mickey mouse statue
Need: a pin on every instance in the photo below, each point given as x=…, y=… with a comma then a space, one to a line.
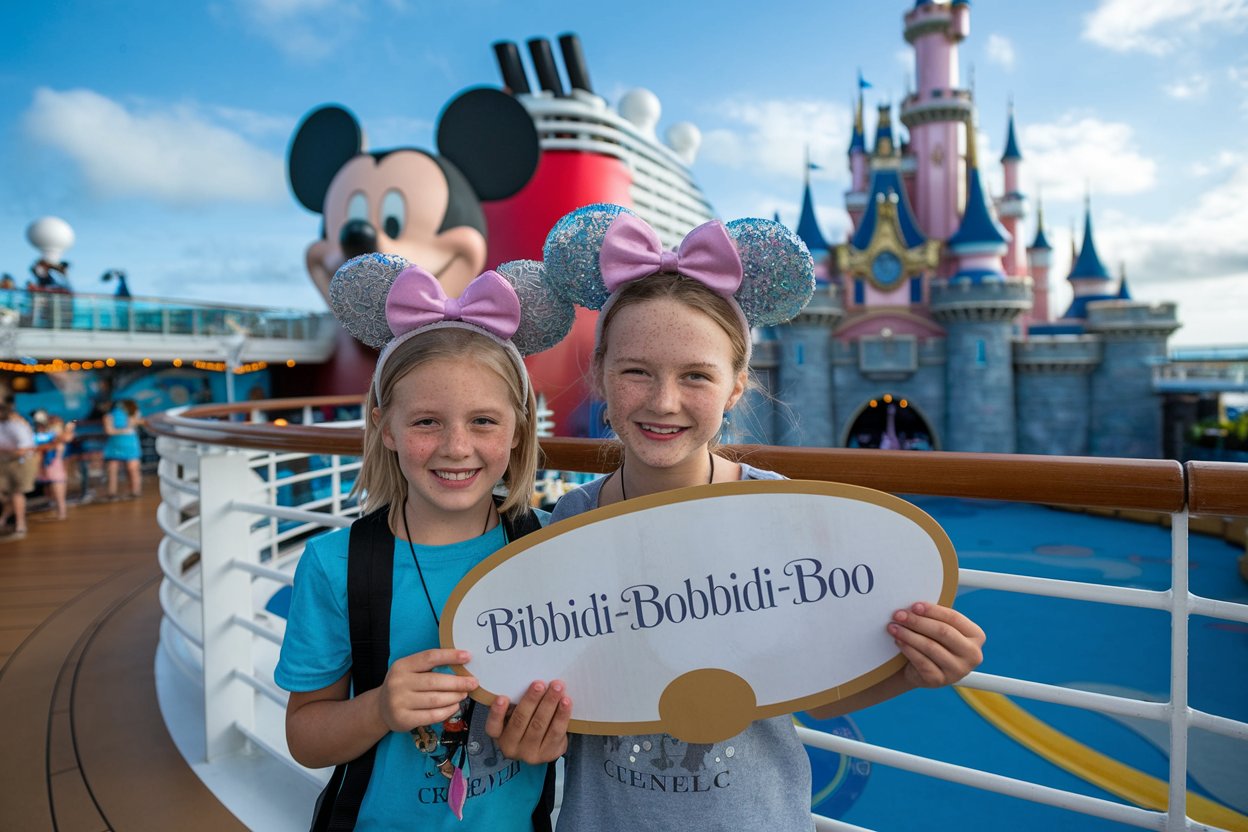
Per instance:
x=423, y=206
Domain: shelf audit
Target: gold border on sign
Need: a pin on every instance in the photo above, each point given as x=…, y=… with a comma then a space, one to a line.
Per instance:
x=944, y=546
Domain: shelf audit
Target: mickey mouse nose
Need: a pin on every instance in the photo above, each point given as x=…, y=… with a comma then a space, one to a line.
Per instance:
x=358, y=237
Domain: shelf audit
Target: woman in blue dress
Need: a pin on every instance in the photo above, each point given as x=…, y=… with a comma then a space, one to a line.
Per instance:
x=122, y=447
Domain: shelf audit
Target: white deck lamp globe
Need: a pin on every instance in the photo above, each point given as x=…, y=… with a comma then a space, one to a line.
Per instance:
x=52, y=236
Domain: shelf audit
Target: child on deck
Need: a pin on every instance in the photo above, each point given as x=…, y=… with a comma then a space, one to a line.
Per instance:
x=670, y=361
x=52, y=439
x=450, y=414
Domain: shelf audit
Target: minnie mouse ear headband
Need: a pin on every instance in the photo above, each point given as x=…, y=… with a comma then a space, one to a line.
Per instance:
x=760, y=267
x=384, y=301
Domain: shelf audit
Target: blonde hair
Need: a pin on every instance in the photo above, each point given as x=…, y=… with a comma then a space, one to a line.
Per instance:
x=381, y=481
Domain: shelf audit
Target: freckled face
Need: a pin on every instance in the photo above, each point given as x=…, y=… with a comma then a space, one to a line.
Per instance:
x=667, y=378
x=453, y=427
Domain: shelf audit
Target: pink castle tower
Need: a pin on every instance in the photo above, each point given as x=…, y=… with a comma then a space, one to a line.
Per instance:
x=1011, y=205
x=1039, y=261
x=936, y=112
x=856, y=196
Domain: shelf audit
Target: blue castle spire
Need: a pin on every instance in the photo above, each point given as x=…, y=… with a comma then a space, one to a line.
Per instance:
x=1088, y=265
x=1012, y=153
x=1041, y=241
x=807, y=224
x=858, y=141
x=979, y=230
x=1124, y=293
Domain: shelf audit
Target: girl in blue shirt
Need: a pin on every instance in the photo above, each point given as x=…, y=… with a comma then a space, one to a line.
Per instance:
x=450, y=414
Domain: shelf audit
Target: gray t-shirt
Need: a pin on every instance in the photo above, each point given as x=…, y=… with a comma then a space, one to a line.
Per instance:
x=759, y=779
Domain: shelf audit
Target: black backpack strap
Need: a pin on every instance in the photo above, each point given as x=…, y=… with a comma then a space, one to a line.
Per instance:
x=370, y=576
x=528, y=523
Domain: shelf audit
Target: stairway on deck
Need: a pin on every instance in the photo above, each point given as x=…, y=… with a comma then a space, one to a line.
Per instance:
x=86, y=749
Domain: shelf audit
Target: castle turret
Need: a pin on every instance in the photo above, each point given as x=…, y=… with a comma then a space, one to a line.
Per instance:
x=936, y=112
x=856, y=196
x=977, y=307
x=1089, y=279
x=980, y=240
x=1039, y=260
x=1012, y=205
x=1124, y=293
x=808, y=229
x=885, y=146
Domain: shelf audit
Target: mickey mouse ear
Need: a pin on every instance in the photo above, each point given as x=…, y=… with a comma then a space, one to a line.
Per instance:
x=571, y=253
x=357, y=295
x=779, y=273
x=547, y=317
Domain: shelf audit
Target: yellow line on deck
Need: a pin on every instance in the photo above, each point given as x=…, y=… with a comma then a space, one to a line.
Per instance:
x=1117, y=778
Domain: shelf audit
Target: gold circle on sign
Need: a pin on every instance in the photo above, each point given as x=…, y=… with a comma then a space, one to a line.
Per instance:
x=707, y=705
x=938, y=154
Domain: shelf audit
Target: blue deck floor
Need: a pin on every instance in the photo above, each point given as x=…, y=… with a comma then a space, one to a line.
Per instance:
x=1095, y=647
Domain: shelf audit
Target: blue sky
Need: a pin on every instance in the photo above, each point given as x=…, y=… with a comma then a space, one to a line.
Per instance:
x=159, y=130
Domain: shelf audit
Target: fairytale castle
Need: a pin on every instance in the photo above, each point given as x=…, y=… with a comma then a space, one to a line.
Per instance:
x=930, y=327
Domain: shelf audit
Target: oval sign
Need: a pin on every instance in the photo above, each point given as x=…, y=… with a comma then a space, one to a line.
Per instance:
x=697, y=611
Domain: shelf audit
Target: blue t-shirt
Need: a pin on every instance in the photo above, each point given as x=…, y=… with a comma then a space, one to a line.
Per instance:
x=407, y=790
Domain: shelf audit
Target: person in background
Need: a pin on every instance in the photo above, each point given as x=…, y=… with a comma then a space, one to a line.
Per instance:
x=122, y=447
x=55, y=433
x=18, y=462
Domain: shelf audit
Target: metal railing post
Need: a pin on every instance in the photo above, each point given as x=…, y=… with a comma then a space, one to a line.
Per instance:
x=225, y=535
x=1176, y=809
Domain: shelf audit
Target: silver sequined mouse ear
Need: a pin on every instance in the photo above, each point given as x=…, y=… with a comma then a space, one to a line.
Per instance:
x=545, y=316
x=571, y=253
x=779, y=273
x=357, y=295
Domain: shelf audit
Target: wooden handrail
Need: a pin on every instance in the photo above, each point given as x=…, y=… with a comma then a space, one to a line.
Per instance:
x=1217, y=488
x=1151, y=485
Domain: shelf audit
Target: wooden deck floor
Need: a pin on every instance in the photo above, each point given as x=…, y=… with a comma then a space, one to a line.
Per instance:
x=85, y=747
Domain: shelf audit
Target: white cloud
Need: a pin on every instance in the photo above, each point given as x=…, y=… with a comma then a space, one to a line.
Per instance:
x=1221, y=161
x=176, y=156
x=1197, y=257
x=1193, y=86
x=772, y=136
x=1201, y=240
x=1080, y=151
x=1159, y=26
x=303, y=30
x=1000, y=51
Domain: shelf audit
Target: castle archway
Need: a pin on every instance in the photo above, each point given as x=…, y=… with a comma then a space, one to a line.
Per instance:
x=891, y=422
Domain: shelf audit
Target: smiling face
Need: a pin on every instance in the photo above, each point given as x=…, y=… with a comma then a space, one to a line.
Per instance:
x=397, y=205
x=452, y=425
x=667, y=375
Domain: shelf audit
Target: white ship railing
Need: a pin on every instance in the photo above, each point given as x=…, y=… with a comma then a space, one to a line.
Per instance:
x=76, y=326
x=235, y=517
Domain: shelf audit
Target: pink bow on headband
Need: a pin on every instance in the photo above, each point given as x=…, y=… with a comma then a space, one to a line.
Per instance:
x=416, y=299
x=631, y=250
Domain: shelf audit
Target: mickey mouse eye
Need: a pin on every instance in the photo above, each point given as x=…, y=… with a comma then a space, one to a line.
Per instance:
x=357, y=207
x=393, y=214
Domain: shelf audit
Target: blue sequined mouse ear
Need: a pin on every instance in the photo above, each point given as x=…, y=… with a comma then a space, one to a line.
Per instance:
x=357, y=295
x=571, y=253
x=779, y=273
x=545, y=316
